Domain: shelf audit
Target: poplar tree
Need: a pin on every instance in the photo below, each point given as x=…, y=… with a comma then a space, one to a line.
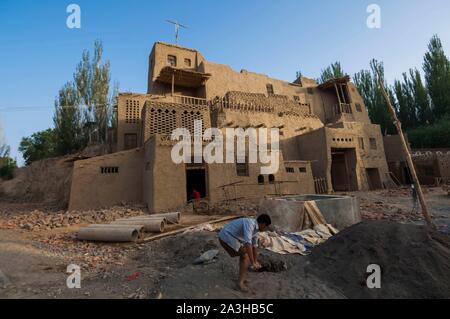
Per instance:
x=436, y=67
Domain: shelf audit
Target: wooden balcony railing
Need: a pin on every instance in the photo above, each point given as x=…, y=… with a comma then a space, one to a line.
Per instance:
x=343, y=108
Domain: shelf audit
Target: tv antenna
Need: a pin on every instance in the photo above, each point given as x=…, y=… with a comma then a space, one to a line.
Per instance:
x=177, y=29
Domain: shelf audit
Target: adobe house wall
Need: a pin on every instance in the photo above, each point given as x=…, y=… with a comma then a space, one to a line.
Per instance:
x=312, y=146
x=169, y=179
x=302, y=175
x=93, y=189
x=431, y=164
x=158, y=60
x=317, y=147
x=444, y=165
x=291, y=125
x=130, y=106
x=360, y=114
x=148, y=177
x=165, y=182
x=225, y=79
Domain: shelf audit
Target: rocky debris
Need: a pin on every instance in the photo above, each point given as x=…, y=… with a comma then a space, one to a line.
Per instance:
x=138, y=294
x=380, y=210
x=89, y=256
x=396, y=193
x=240, y=207
x=40, y=221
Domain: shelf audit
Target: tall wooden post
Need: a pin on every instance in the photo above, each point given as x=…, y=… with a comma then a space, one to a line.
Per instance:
x=173, y=83
x=409, y=160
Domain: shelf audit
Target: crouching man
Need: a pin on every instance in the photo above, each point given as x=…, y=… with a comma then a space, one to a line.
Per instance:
x=239, y=239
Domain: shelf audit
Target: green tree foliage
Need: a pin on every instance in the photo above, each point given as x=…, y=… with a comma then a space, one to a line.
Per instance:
x=7, y=164
x=423, y=107
x=422, y=103
x=366, y=82
x=7, y=167
x=92, y=85
x=436, y=67
x=68, y=121
x=40, y=145
x=333, y=71
x=83, y=111
x=406, y=109
x=436, y=135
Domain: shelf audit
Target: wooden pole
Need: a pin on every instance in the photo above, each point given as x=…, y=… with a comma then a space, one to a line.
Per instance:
x=173, y=83
x=409, y=160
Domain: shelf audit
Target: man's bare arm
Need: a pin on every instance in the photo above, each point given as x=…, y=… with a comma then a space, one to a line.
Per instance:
x=249, y=250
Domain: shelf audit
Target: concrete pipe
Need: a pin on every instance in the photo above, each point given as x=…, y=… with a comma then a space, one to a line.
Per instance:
x=150, y=225
x=173, y=218
x=112, y=234
x=139, y=228
x=146, y=217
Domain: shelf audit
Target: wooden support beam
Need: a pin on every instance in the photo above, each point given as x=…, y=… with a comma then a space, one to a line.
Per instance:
x=182, y=230
x=173, y=83
x=409, y=159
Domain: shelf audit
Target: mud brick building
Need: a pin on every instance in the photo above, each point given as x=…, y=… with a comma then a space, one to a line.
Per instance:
x=327, y=141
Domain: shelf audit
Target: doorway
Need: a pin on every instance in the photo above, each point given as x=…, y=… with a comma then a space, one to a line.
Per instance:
x=373, y=177
x=196, y=179
x=407, y=179
x=343, y=170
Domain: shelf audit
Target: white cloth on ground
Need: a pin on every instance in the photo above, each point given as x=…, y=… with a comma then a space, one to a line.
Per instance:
x=281, y=244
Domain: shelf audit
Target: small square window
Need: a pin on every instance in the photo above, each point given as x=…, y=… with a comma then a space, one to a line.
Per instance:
x=270, y=90
x=358, y=107
x=290, y=170
x=242, y=169
x=187, y=62
x=172, y=60
x=302, y=169
x=296, y=98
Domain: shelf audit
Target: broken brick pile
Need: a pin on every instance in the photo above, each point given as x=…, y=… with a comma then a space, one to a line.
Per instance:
x=383, y=211
x=42, y=221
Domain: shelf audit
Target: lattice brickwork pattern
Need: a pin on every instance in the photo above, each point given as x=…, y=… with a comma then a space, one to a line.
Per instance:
x=187, y=121
x=132, y=112
x=163, y=121
x=162, y=118
x=280, y=104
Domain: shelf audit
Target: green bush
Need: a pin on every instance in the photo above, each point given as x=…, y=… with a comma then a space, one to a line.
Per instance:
x=7, y=170
x=436, y=135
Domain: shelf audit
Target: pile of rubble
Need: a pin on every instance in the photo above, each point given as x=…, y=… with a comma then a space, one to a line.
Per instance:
x=384, y=211
x=86, y=255
x=235, y=207
x=40, y=221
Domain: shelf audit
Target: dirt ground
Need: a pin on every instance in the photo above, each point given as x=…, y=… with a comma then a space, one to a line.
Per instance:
x=33, y=261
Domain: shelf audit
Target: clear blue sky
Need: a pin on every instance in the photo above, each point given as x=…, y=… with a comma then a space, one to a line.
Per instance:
x=38, y=53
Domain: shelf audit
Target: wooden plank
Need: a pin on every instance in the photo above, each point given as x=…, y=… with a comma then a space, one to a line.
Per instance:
x=317, y=212
x=311, y=214
x=182, y=230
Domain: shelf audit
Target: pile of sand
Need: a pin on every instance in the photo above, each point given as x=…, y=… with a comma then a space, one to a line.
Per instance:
x=414, y=264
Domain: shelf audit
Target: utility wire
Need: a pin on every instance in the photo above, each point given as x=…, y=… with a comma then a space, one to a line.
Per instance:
x=44, y=108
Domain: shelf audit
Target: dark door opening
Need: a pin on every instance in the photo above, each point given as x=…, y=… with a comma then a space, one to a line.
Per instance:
x=407, y=175
x=343, y=170
x=373, y=177
x=195, y=179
